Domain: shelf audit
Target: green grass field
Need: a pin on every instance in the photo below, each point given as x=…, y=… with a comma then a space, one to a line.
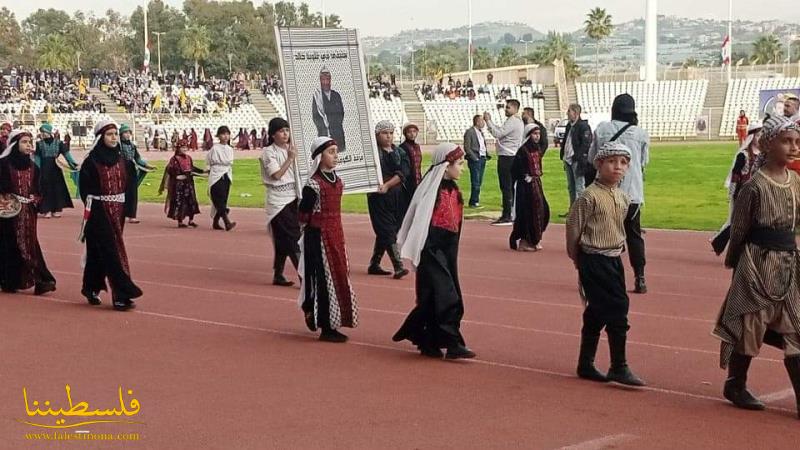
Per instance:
x=683, y=186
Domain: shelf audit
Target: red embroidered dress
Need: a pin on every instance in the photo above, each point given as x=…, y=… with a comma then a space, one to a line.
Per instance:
x=22, y=264
x=326, y=293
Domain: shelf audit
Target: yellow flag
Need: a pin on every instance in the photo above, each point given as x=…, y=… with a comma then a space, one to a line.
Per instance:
x=49, y=114
x=182, y=97
x=82, y=86
x=157, y=103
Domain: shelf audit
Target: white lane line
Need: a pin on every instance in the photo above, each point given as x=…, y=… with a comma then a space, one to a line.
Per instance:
x=777, y=396
x=601, y=443
x=405, y=350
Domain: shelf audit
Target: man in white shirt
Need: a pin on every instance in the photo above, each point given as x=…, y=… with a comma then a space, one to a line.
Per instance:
x=278, y=175
x=509, y=139
x=475, y=149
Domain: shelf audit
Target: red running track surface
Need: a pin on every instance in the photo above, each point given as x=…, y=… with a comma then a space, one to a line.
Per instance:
x=219, y=358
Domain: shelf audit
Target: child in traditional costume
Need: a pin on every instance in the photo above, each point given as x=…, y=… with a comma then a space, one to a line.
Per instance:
x=179, y=176
x=531, y=208
x=219, y=162
x=103, y=181
x=743, y=168
x=53, y=187
x=326, y=294
x=595, y=240
x=429, y=238
x=763, y=301
x=22, y=264
x=278, y=175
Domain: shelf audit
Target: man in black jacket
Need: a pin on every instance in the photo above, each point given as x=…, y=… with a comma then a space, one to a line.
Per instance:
x=575, y=151
x=528, y=116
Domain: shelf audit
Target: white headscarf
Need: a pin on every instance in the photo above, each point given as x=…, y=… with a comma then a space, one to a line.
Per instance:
x=99, y=130
x=316, y=144
x=13, y=140
x=414, y=231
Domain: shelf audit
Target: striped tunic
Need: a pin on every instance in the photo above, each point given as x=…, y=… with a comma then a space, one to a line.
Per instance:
x=761, y=277
x=596, y=220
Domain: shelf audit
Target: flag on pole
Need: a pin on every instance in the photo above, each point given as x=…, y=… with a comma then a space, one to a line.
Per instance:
x=726, y=51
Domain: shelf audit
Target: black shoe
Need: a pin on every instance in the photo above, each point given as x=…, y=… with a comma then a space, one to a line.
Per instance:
x=619, y=371
x=309, y=316
x=44, y=288
x=377, y=270
x=586, y=368
x=92, y=297
x=229, y=226
x=793, y=368
x=216, y=226
x=123, y=305
x=399, y=275
x=279, y=280
x=459, y=352
x=735, y=390
x=182, y=225
x=623, y=375
x=192, y=224
x=502, y=222
x=641, y=286
x=332, y=336
x=431, y=352
x=9, y=290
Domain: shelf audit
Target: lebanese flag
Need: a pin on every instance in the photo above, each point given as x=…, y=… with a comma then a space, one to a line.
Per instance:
x=726, y=51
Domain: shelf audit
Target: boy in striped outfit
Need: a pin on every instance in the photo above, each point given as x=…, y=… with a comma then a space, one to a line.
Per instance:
x=595, y=240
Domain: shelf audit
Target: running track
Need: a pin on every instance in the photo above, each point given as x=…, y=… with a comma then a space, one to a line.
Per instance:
x=219, y=358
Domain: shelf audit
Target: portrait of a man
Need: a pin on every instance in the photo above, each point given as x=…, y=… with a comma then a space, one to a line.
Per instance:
x=327, y=110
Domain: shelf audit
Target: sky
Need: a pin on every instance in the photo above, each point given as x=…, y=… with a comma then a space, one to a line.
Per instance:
x=418, y=14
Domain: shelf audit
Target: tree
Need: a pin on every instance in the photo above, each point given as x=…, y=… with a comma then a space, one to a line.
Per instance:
x=55, y=53
x=482, y=59
x=691, y=62
x=42, y=23
x=767, y=48
x=195, y=45
x=507, y=57
x=598, y=27
x=285, y=14
x=11, y=37
x=556, y=47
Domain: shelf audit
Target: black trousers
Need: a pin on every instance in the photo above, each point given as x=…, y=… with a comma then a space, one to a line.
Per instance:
x=607, y=303
x=504, y=164
x=219, y=195
x=634, y=239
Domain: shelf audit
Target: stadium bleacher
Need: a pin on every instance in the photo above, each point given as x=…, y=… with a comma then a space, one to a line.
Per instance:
x=743, y=95
x=245, y=116
x=451, y=117
x=666, y=109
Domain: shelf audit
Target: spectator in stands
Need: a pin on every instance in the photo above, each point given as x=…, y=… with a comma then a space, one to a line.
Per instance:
x=528, y=117
x=327, y=111
x=5, y=130
x=741, y=126
x=623, y=128
x=509, y=139
x=477, y=155
x=575, y=151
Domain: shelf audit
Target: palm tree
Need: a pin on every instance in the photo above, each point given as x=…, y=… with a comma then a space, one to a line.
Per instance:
x=54, y=53
x=195, y=45
x=767, y=48
x=557, y=47
x=598, y=27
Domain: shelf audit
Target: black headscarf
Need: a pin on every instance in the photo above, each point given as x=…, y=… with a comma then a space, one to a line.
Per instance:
x=624, y=109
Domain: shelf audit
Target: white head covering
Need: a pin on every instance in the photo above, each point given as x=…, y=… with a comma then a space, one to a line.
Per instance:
x=384, y=125
x=99, y=129
x=526, y=135
x=612, y=148
x=772, y=128
x=13, y=140
x=315, y=145
x=414, y=231
x=752, y=130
